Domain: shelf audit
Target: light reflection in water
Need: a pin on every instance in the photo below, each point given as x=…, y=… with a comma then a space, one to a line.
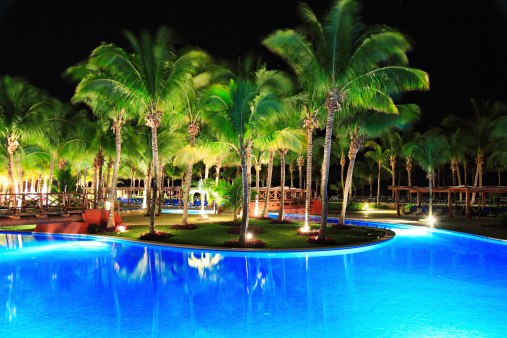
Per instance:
x=428, y=285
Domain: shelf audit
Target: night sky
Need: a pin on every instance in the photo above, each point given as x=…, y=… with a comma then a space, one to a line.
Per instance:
x=462, y=45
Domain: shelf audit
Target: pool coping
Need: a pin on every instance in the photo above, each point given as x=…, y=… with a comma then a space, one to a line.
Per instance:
x=389, y=235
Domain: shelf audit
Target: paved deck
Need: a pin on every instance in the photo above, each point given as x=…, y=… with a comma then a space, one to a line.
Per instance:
x=475, y=226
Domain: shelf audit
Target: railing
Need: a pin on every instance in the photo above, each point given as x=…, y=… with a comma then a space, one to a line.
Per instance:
x=42, y=203
x=275, y=194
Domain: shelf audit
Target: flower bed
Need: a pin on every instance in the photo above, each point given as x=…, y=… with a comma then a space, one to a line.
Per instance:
x=254, y=243
x=341, y=227
x=283, y=221
x=184, y=227
x=318, y=241
x=156, y=236
x=308, y=233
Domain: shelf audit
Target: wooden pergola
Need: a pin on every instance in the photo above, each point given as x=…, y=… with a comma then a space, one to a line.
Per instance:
x=449, y=190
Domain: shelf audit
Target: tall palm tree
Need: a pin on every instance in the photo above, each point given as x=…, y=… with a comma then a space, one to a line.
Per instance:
x=370, y=124
x=236, y=112
x=430, y=150
x=380, y=157
x=22, y=112
x=348, y=65
x=154, y=79
x=393, y=141
x=480, y=128
x=366, y=171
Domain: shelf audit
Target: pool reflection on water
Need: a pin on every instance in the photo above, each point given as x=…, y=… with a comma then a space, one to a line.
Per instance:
x=421, y=283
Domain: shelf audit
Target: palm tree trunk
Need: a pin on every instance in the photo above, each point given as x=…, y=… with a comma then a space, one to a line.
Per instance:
x=371, y=188
x=282, y=153
x=85, y=183
x=300, y=162
x=499, y=177
x=332, y=105
x=153, y=201
x=244, y=219
x=117, y=124
x=459, y=179
x=343, y=161
x=430, y=178
x=291, y=169
x=355, y=144
x=476, y=180
x=188, y=182
x=268, y=183
x=393, y=169
x=309, y=152
x=51, y=172
x=378, y=183
x=258, y=168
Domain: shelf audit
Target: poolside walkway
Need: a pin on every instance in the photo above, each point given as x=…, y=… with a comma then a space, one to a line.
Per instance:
x=475, y=226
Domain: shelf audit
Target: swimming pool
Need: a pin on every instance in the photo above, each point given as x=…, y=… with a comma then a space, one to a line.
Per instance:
x=422, y=283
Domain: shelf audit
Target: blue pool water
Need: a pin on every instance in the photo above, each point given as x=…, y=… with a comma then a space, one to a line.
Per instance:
x=422, y=283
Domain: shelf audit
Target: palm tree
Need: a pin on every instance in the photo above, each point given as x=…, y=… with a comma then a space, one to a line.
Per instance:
x=497, y=161
x=340, y=146
x=154, y=79
x=366, y=171
x=239, y=110
x=22, y=113
x=370, y=124
x=393, y=141
x=430, y=150
x=379, y=156
x=347, y=65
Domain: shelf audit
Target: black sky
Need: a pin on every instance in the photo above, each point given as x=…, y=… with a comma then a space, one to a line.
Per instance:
x=462, y=45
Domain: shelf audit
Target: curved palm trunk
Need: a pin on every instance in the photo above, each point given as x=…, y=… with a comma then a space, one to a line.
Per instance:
x=282, y=153
x=378, y=183
x=343, y=161
x=268, y=183
x=117, y=124
x=355, y=145
x=244, y=218
x=193, y=129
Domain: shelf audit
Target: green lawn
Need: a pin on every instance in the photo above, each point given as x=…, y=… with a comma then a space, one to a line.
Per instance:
x=276, y=236
x=213, y=234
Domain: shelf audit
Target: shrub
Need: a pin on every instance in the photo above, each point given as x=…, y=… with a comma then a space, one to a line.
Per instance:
x=254, y=243
x=283, y=221
x=318, y=241
x=184, y=227
x=94, y=228
x=341, y=227
x=237, y=230
x=502, y=219
x=308, y=233
x=156, y=236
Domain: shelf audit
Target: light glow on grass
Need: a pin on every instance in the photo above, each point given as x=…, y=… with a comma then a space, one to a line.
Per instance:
x=249, y=236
